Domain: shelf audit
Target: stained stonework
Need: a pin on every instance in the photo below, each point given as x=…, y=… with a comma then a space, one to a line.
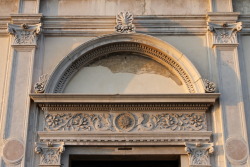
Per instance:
x=125, y=73
x=135, y=64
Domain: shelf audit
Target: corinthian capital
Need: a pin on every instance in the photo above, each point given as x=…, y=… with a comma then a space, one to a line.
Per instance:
x=199, y=154
x=24, y=34
x=50, y=154
x=225, y=33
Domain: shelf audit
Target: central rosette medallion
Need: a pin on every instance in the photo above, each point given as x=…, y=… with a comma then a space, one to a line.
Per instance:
x=125, y=122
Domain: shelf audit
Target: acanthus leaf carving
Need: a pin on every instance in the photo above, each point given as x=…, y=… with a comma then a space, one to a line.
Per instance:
x=199, y=154
x=50, y=154
x=39, y=87
x=125, y=122
x=225, y=33
x=24, y=34
x=124, y=23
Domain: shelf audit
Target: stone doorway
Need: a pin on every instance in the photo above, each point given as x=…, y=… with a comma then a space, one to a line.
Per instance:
x=124, y=161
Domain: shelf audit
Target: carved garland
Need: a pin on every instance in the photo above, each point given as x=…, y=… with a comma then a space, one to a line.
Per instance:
x=121, y=47
x=125, y=122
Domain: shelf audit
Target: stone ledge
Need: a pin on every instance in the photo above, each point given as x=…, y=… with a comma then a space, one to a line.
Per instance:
x=80, y=138
x=125, y=98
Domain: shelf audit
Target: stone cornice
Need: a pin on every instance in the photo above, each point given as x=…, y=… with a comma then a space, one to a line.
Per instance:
x=26, y=18
x=4, y=20
x=100, y=25
x=124, y=98
x=222, y=17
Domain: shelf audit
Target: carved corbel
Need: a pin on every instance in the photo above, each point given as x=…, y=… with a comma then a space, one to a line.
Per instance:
x=225, y=33
x=24, y=34
x=199, y=154
x=124, y=23
x=50, y=154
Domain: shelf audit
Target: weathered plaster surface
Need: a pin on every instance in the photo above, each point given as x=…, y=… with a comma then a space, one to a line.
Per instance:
x=8, y=7
x=118, y=74
x=56, y=48
x=112, y=7
x=242, y=6
x=196, y=50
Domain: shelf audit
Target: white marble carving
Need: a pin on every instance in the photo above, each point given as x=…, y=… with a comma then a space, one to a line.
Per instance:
x=50, y=154
x=199, y=154
x=40, y=85
x=124, y=22
x=226, y=33
x=210, y=87
x=24, y=34
x=125, y=122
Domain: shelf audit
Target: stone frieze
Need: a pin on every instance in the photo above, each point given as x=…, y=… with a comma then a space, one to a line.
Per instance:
x=125, y=122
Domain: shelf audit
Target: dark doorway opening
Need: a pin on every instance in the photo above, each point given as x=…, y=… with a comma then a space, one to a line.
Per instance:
x=124, y=161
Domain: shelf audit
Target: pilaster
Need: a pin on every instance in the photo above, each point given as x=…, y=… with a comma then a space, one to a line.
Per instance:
x=224, y=39
x=16, y=112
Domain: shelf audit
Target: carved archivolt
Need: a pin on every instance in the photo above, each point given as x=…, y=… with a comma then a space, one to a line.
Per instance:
x=139, y=44
x=122, y=47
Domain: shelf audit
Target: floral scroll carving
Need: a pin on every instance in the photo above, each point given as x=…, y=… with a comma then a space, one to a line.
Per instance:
x=125, y=122
x=225, y=33
x=124, y=22
x=24, y=34
x=210, y=87
x=39, y=87
x=50, y=154
x=199, y=154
